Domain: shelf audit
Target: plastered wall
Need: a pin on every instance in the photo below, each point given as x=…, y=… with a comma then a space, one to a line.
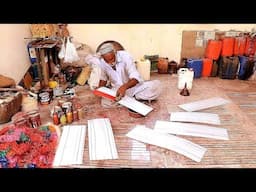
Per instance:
x=14, y=60
x=140, y=39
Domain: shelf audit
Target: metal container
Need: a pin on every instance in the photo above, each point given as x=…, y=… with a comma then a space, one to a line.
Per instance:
x=34, y=118
x=45, y=96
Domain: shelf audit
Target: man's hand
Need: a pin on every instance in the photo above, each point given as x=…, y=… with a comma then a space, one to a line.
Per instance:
x=121, y=91
x=102, y=83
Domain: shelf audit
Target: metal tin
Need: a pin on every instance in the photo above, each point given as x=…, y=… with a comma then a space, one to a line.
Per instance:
x=57, y=91
x=21, y=122
x=45, y=96
x=67, y=106
x=35, y=120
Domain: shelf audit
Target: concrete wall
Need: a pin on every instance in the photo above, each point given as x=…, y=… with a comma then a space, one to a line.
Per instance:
x=145, y=39
x=14, y=59
x=138, y=39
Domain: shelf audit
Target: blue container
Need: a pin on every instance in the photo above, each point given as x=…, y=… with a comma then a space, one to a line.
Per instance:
x=197, y=66
x=34, y=67
x=243, y=62
x=31, y=53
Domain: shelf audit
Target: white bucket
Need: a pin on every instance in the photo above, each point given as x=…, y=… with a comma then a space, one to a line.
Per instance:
x=143, y=67
x=185, y=75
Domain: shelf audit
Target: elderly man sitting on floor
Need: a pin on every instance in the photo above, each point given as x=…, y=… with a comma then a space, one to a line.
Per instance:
x=119, y=69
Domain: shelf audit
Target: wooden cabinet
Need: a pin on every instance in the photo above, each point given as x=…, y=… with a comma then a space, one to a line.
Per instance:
x=46, y=54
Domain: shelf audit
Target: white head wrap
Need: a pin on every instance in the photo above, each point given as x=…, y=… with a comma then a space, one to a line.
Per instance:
x=106, y=48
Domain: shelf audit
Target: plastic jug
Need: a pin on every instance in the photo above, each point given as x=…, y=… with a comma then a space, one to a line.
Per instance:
x=143, y=66
x=185, y=75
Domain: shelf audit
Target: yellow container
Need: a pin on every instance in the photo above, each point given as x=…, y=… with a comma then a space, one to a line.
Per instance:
x=143, y=67
x=53, y=84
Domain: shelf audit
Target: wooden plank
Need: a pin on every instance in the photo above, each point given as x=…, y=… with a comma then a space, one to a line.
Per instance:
x=45, y=67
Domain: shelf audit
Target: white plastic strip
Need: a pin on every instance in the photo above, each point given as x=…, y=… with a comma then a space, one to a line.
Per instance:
x=101, y=140
x=71, y=146
x=191, y=129
x=179, y=145
x=196, y=117
x=135, y=105
x=61, y=147
x=80, y=150
x=128, y=102
x=204, y=104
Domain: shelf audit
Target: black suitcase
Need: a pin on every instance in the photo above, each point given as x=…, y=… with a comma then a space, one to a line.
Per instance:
x=215, y=67
x=228, y=67
x=246, y=67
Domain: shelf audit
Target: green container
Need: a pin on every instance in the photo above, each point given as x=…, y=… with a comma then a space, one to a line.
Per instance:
x=153, y=60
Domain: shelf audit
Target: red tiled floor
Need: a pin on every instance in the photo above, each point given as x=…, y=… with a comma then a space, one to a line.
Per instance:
x=238, y=117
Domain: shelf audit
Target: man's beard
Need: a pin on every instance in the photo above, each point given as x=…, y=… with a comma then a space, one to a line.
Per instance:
x=113, y=64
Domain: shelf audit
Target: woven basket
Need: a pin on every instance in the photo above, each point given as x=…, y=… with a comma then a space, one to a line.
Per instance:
x=10, y=107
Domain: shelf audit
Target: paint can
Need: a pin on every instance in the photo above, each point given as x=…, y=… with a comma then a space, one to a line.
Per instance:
x=34, y=119
x=21, y=122
x=45, y=96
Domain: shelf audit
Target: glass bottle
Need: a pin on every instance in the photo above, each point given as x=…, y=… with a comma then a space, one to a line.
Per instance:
x=63, y=119
x=69, y=116
x=55, y=118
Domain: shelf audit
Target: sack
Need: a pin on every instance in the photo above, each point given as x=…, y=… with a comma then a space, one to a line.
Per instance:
x=94, y=78
x=84, y=75
x=70, y=52
x=61, y=54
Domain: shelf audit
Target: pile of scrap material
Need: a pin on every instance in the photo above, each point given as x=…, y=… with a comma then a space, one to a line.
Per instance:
x=49, y=30
x=6, y=81
x=44, y=30
x=25, y=147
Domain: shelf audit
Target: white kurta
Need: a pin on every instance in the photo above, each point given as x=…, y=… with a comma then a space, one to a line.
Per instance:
x=125, y=70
